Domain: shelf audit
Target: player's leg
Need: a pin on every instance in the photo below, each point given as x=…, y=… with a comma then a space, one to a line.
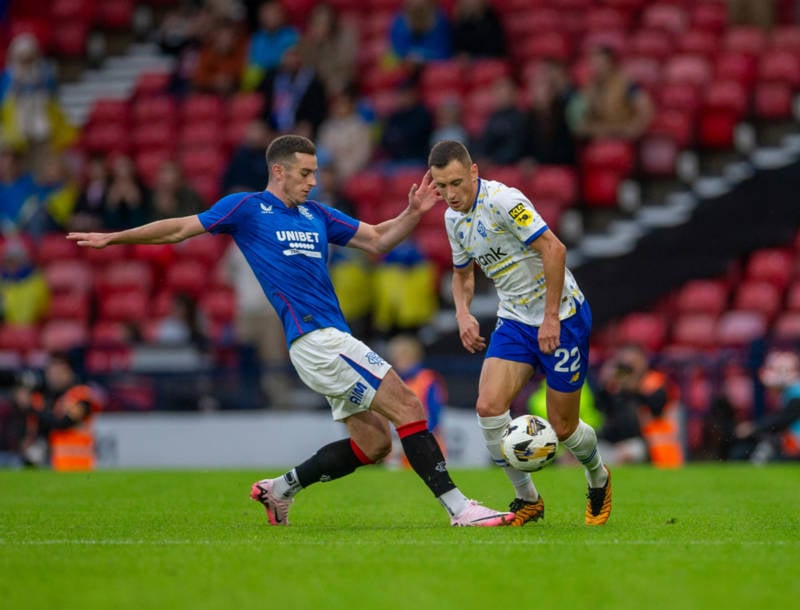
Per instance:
x=565, y=370
x=501, y=380
x=370, y=441
x=399, y=404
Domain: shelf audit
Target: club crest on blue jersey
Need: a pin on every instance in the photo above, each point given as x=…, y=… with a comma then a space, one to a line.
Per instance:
x=304, y=211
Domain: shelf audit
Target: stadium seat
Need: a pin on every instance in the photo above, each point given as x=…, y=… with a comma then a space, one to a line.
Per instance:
x=735, y=66
x=793, y=297
x=680, y=96
x=649, y=44
x=109, y=110
x=702, y=297
x=70, y=37
x=189, y=276
x=747, y=39
x=709, y=16
x=125, y=276
x=201, y=134
x=198, y=107
x=114, y=14
x=780, y=67
x=69, y=276
x=67, y=10
x=658, y=155
x=69, y=306
x=774, y=265
x=124, y=306
x=477, y=107
x=510, y=175
x=365, y=187
x=204, y=162
x=550, y=210
x=483, y=72
x=148, y=162
x=699, y=42
x=613, y=39
x=102, y=360
x=603, y=18
x=154, y=137
x=675, y=125
x=695, y=330
x=63, y=335
x=531, y=22
x=205, y=248
x=443, y=75
x=152, y=83
x=20, y=339
x=645, y=71
x=600, y=186
x=101, y=258
x=666, y=17
x=609, y=154
x=106, y=139
x=108, y=332
x=773, y=101
x=546, y=45
x=219, y=305
x=758, y=296
x=55, y=246
x=739, y=328
x=727, y=96
x=724, y=106
x=647, y=329
x=206, y=185
x=154, y=108
x=691, y=69
x=558, y=182
x=786, y=38
x=245, y=106
x=787, y=327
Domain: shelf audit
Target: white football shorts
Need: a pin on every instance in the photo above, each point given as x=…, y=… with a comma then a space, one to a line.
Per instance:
x=340, y=367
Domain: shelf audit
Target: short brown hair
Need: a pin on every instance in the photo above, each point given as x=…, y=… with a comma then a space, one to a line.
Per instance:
x=449, y=150
x=283, y=148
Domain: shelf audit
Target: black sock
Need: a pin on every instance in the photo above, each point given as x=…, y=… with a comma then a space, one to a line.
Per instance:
x=332, y=461
x=425, y=457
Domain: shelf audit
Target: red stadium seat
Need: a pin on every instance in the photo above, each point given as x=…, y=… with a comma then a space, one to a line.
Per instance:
x=658, y=155
x=606, y=18
x=107, y=110
x=725, y=104
x=786, y=38
x=609, y=154
x=758, y=296
x=62, y=335
x=69, y=276
x=747, y=39
x=154, y=137
x=20, y=339
x=510, y=175
x=558, y=182
x=787, y=326
x=613, y=39
x=124, y=306
x=647, y=329
x=69, y=306
x=66, y=10
x=189, y=276
x=684, y=97
x=203, y=162
x=203, y=107
x=600, y=186
x=550, y=210
x=738, y=328
x=108, y=332
x=149, y=162
x=484, y=72
x=692, y=69
x=205, y=248
x=674, y=125
x=727, y=96
x=101, y=258
x=650, y=44
x=702, y=297
x=709, y=16
x=70, y=37
x=125, y=276
x=773, y=101
x=201, y=134
x=793, y=297
x=532, y=21
x=780, y=67
x=695, y=330
x=219, y=305
x=772, y=265
x=55, y=246
x=114, y=14
x=699, y=42
x=735, y=66
x=152, y=83
x=106, y=139
x=645, y=71
x=443, y=75
x=546, y=45
x=666, y=17
x=101, y=360
x=155, y=108
x=245, y=106
x=365, y=187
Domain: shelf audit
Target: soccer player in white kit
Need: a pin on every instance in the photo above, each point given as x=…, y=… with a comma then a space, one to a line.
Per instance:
x=543, y=321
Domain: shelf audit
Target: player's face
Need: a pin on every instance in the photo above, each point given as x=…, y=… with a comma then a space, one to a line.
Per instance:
x=457, y=184
x=299, y=178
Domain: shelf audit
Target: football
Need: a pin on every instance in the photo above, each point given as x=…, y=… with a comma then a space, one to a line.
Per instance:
x=529, y=443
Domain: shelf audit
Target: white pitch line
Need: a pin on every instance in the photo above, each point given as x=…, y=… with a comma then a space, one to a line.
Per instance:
x=293, y=542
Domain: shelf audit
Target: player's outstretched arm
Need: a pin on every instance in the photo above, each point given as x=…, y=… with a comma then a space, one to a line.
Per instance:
x=381, y=238
x=167, y=231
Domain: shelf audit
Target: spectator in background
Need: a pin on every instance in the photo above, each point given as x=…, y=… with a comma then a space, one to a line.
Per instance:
x=92, y=198
x=477, y=30
x=448, y=123
x=760, y=13
x=548, y=136
x=777, y=435
x=610, y=105
x=258, y=324
x=16, y=187
x=24, y=293
x=503, y=138
x=407, y=130
x=420, y=32
x=172, y=195
x=330, y=46
x=268, y=44
x=245, y=170
x=31, y=119
x=294, y=96
x=345, y=135
x=221, y=60
x=183, y=325
x=406, y=354
x=638, y=403
x=127, y=197
x=54, y=203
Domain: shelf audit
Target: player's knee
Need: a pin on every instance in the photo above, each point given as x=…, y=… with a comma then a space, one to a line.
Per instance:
x=563, y=426
x=489, y=408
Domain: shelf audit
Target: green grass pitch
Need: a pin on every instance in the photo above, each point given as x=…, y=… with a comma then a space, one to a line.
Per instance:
x=705, y=537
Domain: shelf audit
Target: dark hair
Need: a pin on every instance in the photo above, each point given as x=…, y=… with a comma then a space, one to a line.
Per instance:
x=449, y=150
x=283, y=148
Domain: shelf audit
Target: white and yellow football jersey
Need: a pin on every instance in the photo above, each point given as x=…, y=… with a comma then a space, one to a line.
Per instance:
x=496, y=233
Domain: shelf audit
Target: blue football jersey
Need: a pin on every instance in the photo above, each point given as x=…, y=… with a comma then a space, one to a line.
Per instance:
x=288, y=251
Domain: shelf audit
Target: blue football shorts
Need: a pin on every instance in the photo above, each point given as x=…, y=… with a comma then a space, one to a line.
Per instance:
x=565, y=369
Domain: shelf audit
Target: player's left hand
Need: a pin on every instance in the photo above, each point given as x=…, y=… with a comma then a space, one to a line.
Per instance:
x=423, y=197
x=549, y=333
x=90, y=240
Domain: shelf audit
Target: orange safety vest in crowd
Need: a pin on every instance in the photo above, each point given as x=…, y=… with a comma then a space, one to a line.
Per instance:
x=73, y=448
x=662, y=433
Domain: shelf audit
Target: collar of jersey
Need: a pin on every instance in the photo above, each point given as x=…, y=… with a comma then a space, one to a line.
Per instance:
x=477, y=196
x=276, y=201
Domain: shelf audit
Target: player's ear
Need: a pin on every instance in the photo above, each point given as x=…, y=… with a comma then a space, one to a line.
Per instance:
x=473, y=172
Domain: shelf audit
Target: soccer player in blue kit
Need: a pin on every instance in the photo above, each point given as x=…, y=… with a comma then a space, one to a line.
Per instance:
x=285, y=238
x=543, y=319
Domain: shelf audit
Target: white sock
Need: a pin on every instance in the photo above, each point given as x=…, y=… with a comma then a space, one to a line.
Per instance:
x=454, y=501
x=583, y=445
x=493, y=428
x=287, y=485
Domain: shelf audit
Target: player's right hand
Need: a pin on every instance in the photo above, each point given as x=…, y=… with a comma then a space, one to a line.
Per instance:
x=470, y=332
x=90, y=240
